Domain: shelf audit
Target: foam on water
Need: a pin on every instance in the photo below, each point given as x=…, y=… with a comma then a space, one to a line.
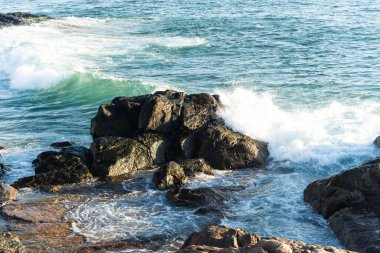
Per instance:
x=323, y=134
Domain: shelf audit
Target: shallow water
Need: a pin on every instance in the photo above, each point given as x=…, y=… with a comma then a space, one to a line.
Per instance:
x=303, y=76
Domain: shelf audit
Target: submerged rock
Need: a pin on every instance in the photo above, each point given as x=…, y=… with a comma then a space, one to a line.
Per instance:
x=229, y=240
x=174, y=175
x=114, y=156
x=62, y=144
x=225, y=149
x=350, y=201
x=70, y=165
x=377, y=142
x=20, y=18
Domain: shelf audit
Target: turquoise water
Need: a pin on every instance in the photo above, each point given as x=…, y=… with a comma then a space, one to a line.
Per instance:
x=302, y=75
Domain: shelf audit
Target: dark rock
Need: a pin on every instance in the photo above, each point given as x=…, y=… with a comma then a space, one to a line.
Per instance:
x=68, y=166
x=377, y=142
x=221, y=239
x=1, y=147
x=114, y=156
x=156, y=143
x=119, y=119
x=225, y=149
x=207, y=196
x=20, y=18
x=350, y=201
x=174, y=175
x=62, y=144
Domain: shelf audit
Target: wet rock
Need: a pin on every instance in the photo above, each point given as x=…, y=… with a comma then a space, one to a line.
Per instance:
x=225, y=149
x=377, y=142
x=114, y=156
x=2, y=148
x=206, y=196
x=7, y=192
x=119, y=119
x=156, y=143
x=62, y=144
x=10, y=243
x=68, y=166
x=350, y=201
x=223, y=239
x=20, y=18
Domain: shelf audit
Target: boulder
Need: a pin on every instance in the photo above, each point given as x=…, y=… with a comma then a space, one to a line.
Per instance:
x=68, y=166
x=377, y=142
x=225, y=149
x=62, y=144
x=7, y=192
x=20, y=18
x=174, y=175
x=157, y=144
x=115, y=156
x=350, y=201
x=201, y=197
x=221, y=239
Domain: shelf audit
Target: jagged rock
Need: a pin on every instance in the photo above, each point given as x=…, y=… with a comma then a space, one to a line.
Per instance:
x=156, y=143
x=68, y=166
x=10, y=243
x=377, y=142
x=221, y=239
x=350, y=201
x=174, y=175
x=225, y=149
x=114, y=156
x=118, y=119
x=62, y=144
x=206, y=196
x=20, y=18
x=7, y=192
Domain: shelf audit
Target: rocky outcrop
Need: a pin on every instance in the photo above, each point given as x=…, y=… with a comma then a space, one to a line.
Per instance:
x=62, y=144
x=7, y=192
x=114, y=156
x=20, y=18
x=10, y=243
x=175, y=175
x=377, y=142
x=70, y=165
x=350, y=201
x=223, y=239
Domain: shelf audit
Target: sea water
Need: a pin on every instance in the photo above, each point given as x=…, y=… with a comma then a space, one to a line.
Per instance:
x=302, y=75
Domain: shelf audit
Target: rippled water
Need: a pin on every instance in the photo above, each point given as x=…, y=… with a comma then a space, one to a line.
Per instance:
x=302, y=75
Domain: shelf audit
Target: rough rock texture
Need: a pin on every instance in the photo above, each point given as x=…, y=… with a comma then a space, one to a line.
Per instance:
x=10, y=243
x=114, y=156
x=350, y=201
x=377, y=142
x=225, y=149
x=157, y=145
x=20, y=18
x=7, y=192
x=70, y=165
x=206, y=196
x=223, y=239
x=174, y=175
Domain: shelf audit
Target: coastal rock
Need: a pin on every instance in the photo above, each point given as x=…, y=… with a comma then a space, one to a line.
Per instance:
x=225, y=149
x=68, y=166
x=156, y=143
x=221, y=239
x=114, y=156
x=119, y=119
x=377, y=142
x=350, y=202
x=62, y=144
x=7, y=192
x=20, y=18
x=205, y=196
x=174, y=175
x=10, y=243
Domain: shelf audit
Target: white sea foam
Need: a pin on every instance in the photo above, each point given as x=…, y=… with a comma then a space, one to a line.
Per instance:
x=42, y=55
x=324, y=134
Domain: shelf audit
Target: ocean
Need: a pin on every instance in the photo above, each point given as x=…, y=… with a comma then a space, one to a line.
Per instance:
x=302, y=75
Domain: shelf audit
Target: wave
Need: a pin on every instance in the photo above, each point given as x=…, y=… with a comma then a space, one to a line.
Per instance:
x=326, y=134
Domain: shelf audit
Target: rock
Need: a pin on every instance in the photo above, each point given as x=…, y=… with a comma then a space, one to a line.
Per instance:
x=114, y=156
x=68, y=166
x=206, y=196
x=20, y=18
x=10, y=243
x=350, y=201
x=62, y=144
x=156, y=143
x=377, y=142
x=118, y=119
x=225, y=149
x=221, y=239
x=7, y=192
x=174, y=175
x=2, y=148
